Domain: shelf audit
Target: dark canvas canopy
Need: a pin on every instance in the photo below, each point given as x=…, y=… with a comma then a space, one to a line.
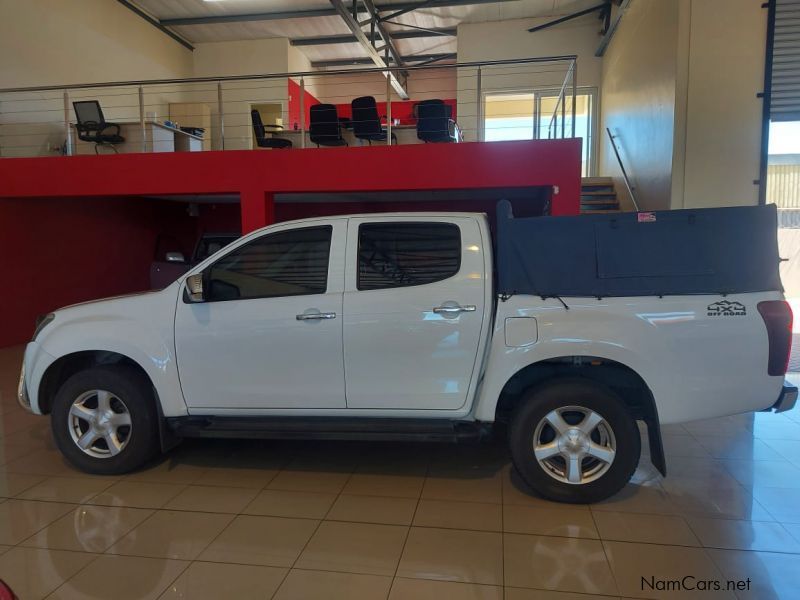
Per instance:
x=698, y=251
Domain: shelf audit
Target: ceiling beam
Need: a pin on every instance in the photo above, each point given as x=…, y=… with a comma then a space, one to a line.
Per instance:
x=396, y=79
x=156, y=23
x=351, y=39
x=348, y=62
x=316, y=12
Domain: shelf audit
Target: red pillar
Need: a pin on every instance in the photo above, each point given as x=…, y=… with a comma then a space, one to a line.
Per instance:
x=258, y=209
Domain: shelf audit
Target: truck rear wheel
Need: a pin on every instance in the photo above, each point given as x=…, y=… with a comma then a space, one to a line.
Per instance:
x=574, y=440
x=104, y=420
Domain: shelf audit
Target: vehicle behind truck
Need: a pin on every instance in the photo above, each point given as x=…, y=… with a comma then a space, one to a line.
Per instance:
x=563, y=332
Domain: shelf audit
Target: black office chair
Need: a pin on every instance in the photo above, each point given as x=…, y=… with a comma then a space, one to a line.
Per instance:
x=435, y=123
x=366, y=122
x=325, y=128
x=261, y=134
x=92, y=126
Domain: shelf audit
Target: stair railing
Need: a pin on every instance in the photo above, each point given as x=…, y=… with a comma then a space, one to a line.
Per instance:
x=628, y=185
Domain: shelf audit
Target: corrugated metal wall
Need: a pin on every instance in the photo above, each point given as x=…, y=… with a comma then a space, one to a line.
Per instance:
x=783, y=185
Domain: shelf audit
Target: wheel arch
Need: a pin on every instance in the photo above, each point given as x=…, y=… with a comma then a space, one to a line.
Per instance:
x=619, y=377
x=68, y=365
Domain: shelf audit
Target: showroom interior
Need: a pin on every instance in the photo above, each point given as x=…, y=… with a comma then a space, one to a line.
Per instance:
x=140, y=137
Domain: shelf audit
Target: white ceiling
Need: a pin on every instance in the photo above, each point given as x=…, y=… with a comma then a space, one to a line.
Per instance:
x=333, y=25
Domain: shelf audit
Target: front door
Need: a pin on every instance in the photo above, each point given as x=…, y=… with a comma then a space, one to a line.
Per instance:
x=413, y=305
x=269, y=335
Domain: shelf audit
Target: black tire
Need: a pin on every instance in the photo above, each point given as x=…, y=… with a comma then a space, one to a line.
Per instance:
x=128, y=386
x=540, y=401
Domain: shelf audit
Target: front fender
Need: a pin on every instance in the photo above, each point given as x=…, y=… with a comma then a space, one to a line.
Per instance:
x=139, y=328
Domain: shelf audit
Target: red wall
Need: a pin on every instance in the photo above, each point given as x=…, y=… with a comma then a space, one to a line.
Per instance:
x=293, y=107
x=59, y=252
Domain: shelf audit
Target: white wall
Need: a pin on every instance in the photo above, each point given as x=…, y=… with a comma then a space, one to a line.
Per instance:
x=49, y=42
x=638, y=101
x=680, y=85
x=510, y=39
x=727, y=39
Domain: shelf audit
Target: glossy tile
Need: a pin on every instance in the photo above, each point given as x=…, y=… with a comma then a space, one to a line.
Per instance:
x=330, y=482
x=562, y=521
x=453, y=555
x=738, y=447
x=559, y=564
x=772, y=576
x=423, y=589
x=526, y=594
x=212, y=499
x=43, y=462
x=464, y=485
x=67, y=489
x=19, y=519
x=744, y=535
x=639, y=499
x=33, y=573
x=121, y=578
x=270, y=541
x=172, y=534
x=215, y=581
x=371, y=484
x=772, y=473
x=169, y=470
x=480, y=516
x=233, y=477
x=88, y=528
x=781, y=503
x=302, y=584
x=354, y=548
x=137, y=494
x=646, y=570
x=651, y=529
x=285, y=503
x=12, y=484
x=373, y=509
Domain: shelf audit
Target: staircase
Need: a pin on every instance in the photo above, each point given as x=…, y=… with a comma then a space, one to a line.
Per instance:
x=598, y=196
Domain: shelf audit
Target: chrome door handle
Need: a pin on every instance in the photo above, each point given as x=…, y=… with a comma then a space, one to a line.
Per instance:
x=315, y=316
x=454, y=310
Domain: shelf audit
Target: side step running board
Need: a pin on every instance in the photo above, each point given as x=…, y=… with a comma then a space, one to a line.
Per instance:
x=329, y=428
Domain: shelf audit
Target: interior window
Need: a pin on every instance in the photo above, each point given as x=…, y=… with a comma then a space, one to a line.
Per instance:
x=394, y=255
x=288, y=263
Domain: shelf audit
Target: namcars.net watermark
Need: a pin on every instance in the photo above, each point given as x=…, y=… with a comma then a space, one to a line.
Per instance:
x=690, y=583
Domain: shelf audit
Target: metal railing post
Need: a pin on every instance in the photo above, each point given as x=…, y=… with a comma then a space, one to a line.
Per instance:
x=67, y=128
x=574, y=93
x=221, y=112
x=480, y=133
x=388, y=111
x=141, y=120
x=563, y=113
x=302, y=113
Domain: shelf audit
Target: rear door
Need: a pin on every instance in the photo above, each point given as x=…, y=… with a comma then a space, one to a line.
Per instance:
x=413, y=311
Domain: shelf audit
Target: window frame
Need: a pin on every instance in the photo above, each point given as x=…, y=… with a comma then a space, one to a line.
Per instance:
x=358, y=287
x=206, y=271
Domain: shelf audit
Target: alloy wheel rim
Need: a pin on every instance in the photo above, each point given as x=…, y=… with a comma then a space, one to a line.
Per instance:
x=574, y=445
x=99, y=423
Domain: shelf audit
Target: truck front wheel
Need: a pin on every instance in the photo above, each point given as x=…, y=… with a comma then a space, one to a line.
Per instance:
x=574, y=440
x=104, y=420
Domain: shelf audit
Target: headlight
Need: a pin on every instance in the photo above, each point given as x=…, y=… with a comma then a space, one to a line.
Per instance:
x=42, y=322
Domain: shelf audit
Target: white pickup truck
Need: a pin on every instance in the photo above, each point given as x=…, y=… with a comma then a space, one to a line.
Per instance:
x=392, y=326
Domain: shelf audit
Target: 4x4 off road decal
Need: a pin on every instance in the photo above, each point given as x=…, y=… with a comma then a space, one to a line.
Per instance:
x=727, y=308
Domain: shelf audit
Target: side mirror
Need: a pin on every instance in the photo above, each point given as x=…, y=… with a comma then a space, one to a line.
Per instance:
x=194, y=287
x=175, y=257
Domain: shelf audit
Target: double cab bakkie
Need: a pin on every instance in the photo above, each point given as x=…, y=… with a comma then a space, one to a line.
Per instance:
x=561, y=332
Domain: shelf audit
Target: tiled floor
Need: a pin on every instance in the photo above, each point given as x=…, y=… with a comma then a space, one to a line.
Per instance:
x=299, y=520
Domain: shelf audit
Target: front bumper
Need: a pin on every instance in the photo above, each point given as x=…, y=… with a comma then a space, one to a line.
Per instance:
x=22, y=391
x=787, y=398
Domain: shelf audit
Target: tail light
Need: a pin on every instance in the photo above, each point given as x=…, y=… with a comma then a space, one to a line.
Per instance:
x=777, y=316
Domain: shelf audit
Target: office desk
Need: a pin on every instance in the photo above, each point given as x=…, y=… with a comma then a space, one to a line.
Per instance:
x=157, y=138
